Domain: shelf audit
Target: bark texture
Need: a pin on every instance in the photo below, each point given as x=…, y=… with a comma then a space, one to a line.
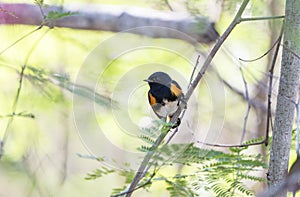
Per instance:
x=115, y=19
x=288, y=87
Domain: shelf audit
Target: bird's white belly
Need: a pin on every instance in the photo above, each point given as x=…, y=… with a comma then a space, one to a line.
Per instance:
x=168, y=109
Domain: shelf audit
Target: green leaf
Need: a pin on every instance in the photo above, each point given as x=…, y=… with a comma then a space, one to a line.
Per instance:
x=118, y=190
x=55, y=15
x=39, y=2
x=128, y=174
x=147, y=139
x=99, y=173
x=143, y=148
x=179, y=188
x=101, y=159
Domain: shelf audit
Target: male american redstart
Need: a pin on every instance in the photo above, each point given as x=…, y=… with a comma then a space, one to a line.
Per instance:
x=164, y=95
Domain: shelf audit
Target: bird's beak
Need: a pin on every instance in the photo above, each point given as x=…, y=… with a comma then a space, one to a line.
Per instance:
x=147, y=80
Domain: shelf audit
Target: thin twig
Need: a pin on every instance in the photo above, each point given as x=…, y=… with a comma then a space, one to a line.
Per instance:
x=266, y=53
x=168, y=5
x=184, y=110
x=231, y=145
x=14, y=106
x=261, y=18
x=16, y=100
x=194, y=70
x=20, y=114
x=20, y=39
x=245, y=121
x=187, y=96
x=271, y=73
x=254, y=102
x=252, y=75
x=248, y=106
x=40, y=5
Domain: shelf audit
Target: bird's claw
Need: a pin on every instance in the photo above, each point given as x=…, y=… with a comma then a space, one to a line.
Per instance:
x=176, y=124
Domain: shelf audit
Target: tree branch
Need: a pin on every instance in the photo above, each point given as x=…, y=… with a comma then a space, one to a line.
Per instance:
x=187, y=96
x=115, y=19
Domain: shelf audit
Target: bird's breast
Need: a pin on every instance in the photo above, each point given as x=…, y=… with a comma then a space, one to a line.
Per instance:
x=166, y=108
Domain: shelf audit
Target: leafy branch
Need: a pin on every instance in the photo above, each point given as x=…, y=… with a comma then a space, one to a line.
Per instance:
x=17, y=96
x=48, y=19
x=212, y=170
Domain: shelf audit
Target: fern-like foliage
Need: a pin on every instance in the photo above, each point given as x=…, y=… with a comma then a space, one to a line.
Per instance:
x=216, y=172
x=48, y=82
x=179, y=188
x=149, y=135
x=127, y=174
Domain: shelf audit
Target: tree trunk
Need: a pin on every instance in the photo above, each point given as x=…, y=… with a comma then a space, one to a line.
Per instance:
x=288, y=86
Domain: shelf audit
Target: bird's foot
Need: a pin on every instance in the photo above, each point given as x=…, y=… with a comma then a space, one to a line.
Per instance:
x=176, y=124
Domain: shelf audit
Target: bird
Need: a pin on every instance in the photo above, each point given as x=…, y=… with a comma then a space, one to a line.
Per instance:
x=164, y=95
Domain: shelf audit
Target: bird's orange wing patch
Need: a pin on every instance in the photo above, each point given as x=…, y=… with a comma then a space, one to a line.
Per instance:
x=152, y=99
x=175, y=90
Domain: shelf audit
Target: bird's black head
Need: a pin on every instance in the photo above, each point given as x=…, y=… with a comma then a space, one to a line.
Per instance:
x=159, y=78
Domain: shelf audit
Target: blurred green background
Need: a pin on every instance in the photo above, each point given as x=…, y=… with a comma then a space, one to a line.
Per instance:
x=41, y=153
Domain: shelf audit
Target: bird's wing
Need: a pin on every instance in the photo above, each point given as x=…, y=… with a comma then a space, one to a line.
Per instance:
x=176, y=89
